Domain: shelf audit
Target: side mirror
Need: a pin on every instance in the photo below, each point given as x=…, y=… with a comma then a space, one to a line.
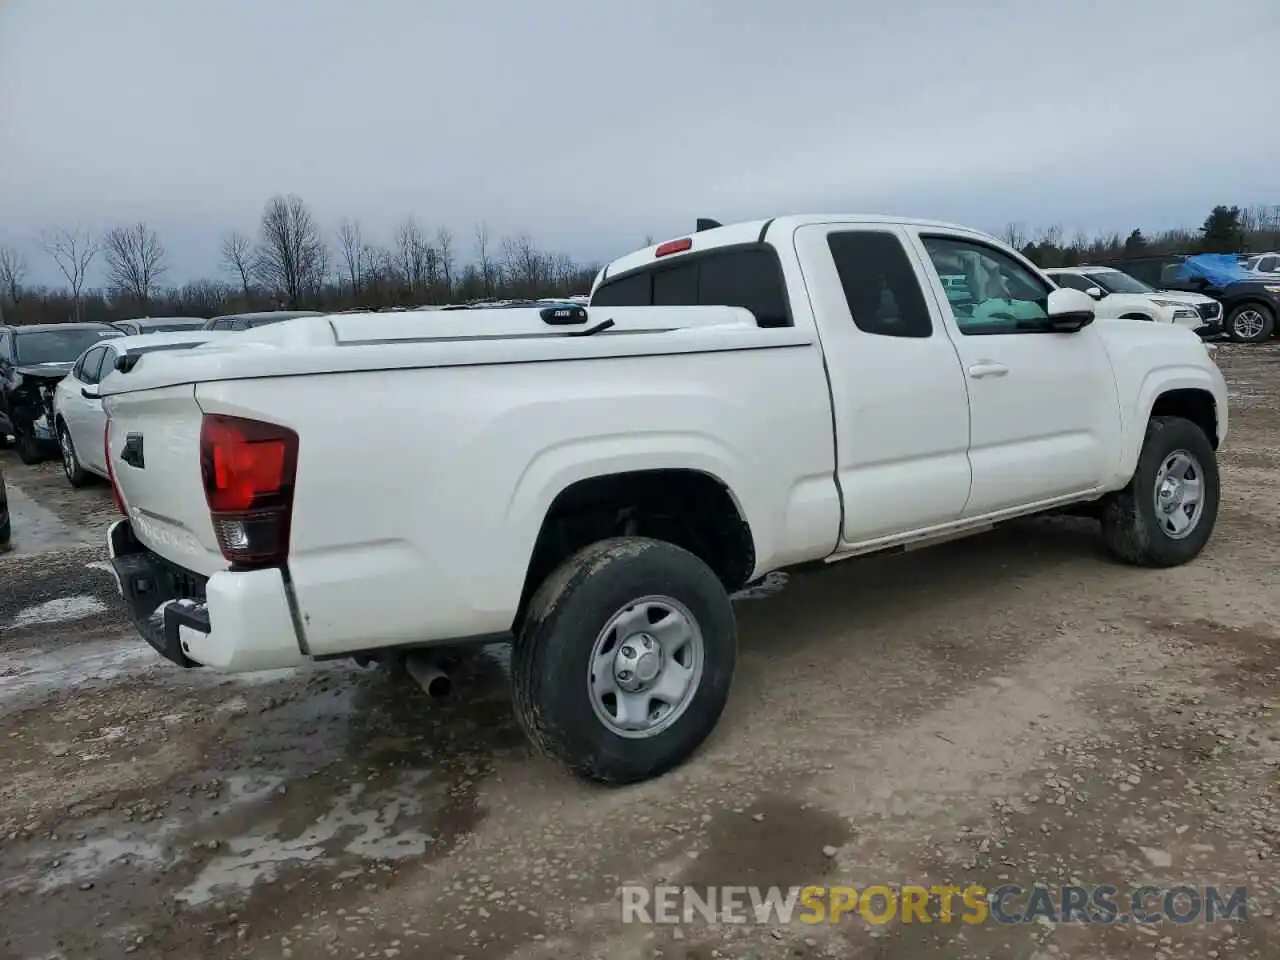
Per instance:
x=1095, y=292
x=1069, y=310
x=90, y=394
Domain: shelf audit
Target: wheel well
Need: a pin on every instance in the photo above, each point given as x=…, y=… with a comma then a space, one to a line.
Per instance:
x=1252, y=302
x=1198, y=406
x=686, y=507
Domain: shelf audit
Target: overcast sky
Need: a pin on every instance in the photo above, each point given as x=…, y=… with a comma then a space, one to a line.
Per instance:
x=592, y=124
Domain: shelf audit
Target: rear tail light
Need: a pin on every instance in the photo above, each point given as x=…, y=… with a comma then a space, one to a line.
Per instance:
x=111, y=471
x=248, y=469
x=673, y=246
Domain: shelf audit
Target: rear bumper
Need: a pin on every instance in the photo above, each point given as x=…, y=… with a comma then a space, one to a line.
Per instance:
x=234, y=620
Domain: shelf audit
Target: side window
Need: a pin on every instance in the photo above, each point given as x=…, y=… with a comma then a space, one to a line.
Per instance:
x=1072, y=281
x=879, y=284
x=92, y=360
x=6, y=348
x=1269, y=264
x=1001, y=295
x=108, y=363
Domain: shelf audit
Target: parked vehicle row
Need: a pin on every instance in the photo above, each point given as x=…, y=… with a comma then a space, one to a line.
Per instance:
x=1120, y=295
x=1250, y=302
x=33, y=359
x=592, y=483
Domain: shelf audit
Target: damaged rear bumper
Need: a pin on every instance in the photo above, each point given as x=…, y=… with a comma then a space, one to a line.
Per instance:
x=233, y=620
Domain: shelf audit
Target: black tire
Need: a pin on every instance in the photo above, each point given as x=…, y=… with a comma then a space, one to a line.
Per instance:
x=30, y=449
x=573, y=605
x=1130, y=526
x=76, y=475
x=4, y=440
x=1255, y=310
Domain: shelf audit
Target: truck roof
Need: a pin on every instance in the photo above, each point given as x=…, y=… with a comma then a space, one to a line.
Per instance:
x=758, y=231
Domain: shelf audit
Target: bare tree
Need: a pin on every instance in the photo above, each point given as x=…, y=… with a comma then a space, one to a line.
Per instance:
x=73, y=251
x=522, y=263
x=237, y=258
x=352, y=248
x=445, y=255
x=291, y=258
x=136, y=259
x=1015, y=235
x=484, y=255
x=648, y=239
x=13, y=270
x=411, y=255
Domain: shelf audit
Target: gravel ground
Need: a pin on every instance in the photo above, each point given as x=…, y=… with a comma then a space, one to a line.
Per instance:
x=1012, y=708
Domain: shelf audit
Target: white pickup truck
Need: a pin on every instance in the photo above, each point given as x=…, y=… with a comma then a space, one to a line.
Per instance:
x=594, y=483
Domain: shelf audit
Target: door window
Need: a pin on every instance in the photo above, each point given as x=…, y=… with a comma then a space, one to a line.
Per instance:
x=1073, y=281
x=1000, y=294
x=108, y=363
x=6, y=349
x=1269, y=264
x=90, y=364
x=879, y=284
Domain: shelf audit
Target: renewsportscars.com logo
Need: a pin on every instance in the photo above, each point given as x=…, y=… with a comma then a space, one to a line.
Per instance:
x=881, y=904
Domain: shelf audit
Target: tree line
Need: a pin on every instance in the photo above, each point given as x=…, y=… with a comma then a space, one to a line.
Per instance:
x=1227, y=229
x=290, y=264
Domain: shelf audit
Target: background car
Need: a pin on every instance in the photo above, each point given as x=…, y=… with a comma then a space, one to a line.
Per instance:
x=158, y=325
x=33, y=359
x=1120, y=295
x=1265, y=265
x=78, y=418
x=244, y=321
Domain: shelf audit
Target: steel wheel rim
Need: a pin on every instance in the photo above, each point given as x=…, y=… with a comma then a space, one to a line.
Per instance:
x=1248, y=323
x=646, y=666
x=68, y=453
x=1179, y=494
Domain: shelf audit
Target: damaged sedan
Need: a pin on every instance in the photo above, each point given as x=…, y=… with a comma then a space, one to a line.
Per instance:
x=33, y=359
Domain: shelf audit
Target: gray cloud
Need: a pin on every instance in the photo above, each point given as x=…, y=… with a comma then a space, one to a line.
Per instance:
x=590, y=125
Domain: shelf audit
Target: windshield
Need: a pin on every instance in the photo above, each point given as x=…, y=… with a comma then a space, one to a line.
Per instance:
x=1113, y=281
x=57, y=346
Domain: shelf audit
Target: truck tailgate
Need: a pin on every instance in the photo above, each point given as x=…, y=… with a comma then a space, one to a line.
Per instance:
x=162, y=486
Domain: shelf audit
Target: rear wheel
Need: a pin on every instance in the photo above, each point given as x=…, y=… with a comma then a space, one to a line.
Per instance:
x=1250, y=323
x=1165, y=516
x=624, y=661
x=77, y=476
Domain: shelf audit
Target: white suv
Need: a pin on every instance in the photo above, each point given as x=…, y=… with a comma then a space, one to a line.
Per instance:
x=1120, y=295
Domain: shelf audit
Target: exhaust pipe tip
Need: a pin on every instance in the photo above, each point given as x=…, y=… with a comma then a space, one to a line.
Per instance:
x=439, y=687
x=434, y=681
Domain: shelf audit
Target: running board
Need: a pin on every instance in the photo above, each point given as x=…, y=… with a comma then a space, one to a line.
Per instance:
x=915, y=543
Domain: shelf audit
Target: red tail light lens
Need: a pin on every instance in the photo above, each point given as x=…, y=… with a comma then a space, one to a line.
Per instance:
x=248, y=469
x=111, y=471
x=674, y=246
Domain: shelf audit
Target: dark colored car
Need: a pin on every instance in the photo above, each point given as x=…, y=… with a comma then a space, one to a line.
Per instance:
x=159, y=325
x=33, y=359
x=1250, y=307
x=244, y=321
x=4, y=516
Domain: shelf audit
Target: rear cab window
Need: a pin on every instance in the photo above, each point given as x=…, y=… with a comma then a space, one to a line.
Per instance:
x=748, y=276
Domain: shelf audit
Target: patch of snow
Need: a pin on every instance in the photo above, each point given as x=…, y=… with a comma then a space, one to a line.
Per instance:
x=62, y=610
x=258, y=856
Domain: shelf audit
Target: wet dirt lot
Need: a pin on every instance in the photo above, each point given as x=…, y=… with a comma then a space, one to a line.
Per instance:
x=1013, y=708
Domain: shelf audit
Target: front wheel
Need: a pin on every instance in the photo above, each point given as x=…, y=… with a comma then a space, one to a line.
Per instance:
x=624, y=661
x=30, y=449
x=1165, y=516
x=77, y=476
x=1250, y=323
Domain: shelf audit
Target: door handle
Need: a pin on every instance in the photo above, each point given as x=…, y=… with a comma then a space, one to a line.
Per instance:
x=987, y=368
